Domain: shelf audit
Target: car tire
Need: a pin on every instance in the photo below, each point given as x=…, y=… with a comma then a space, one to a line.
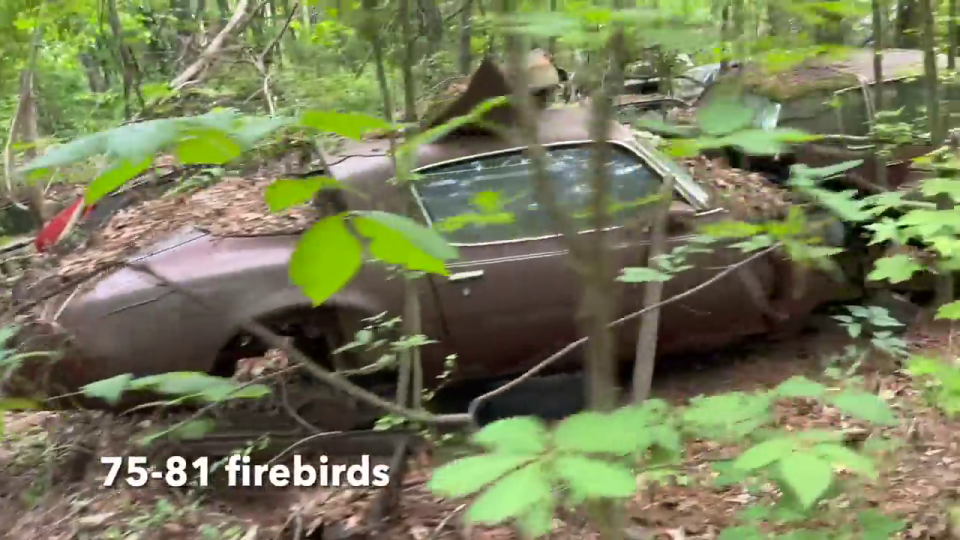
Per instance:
x=550, y=398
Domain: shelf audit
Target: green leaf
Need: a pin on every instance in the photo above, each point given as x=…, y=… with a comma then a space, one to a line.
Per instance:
x=289, y=192
x=206, y=146
x=71, y=152
x=765, y=453
x=941, y=186
x=724, y=114
x=869, y=407
x=194, y=383
x=593, y=478
x=524, y=435
x=538, y=520
x=114, y=177
x=642, y=275
x=350, y=125
x=404, y=244
x=108, y=390
x=839, y=454
x=949, y=311
x=469, y=475
x=513, y=496
x=896, y=269
x=326, y=258
x=807, y=476
x=798, y=386
x=425, y=239
x=592, y=432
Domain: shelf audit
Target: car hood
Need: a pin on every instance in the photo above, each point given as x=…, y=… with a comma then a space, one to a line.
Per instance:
x=198, y=260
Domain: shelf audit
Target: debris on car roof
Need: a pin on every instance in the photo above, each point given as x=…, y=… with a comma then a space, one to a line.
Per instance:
x=746, y=195
x=234, y=206
x=833, y=72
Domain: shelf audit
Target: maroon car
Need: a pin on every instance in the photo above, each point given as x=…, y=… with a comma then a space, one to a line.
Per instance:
x=509, y=300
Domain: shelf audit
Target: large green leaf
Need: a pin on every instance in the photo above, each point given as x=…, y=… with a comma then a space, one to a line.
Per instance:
x=593, y=478
x=350, y=125
x=869, y=407
x=425, y=239
x=949, y=311
x=207, y=146
x=289, y=192
x=326, y=258
x=765, y=453
x=725, y=114
x=895, y=269
x=593, y=432
x=395, y=247
x=538, y=520
x=514, y=495
x=799, y=387
x=841, y=455
x=113, y=178
x=807, y=476
x=71, y=152
x=468, y=475
x=109, y=390
x=523, y=435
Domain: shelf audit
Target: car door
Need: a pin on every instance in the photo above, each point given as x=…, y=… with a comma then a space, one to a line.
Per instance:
x=512, y=298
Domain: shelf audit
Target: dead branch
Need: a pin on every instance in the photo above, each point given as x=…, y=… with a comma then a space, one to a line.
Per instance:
x=275, y=341
x=571, y=347
x=646, y=351
x=208, y=54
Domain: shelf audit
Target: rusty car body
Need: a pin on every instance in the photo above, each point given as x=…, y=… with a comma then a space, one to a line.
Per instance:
x=833, y=95
x=509, y=300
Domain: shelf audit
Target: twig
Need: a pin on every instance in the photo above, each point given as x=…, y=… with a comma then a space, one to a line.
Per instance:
x=275, y=341
x=194, y=69
x=475, y=404
x=443, y=523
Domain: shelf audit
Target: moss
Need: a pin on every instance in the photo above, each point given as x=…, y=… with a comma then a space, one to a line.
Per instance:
x=797, y=83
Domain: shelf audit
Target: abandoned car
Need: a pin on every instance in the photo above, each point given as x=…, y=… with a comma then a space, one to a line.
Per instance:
x=508, y=301
x=832, y=96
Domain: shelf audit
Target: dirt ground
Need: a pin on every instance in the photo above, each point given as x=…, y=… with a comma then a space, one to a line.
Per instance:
x=51, y=488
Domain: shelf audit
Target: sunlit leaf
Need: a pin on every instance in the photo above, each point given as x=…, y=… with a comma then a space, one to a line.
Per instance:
x=520, y=435
x=109, y=390
x=326, y=258
x=350, y=125
x=895, y=269
x=595, y=478
x=468, y=475
x=808, y=476
x=512, y=496
x=765, y=453
x=289, y=192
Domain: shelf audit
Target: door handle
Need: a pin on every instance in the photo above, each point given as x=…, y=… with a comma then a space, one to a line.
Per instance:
x=466, y=276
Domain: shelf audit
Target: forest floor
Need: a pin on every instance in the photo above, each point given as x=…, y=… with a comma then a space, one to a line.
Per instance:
x=43, y=496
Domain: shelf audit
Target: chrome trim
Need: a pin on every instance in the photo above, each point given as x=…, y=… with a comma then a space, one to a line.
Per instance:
x=465, y=276
x=645, y=154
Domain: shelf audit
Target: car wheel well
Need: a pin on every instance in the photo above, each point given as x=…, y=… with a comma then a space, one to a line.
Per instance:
x=315, y=332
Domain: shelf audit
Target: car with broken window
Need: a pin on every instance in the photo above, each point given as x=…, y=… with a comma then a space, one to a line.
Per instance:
x=510, y=299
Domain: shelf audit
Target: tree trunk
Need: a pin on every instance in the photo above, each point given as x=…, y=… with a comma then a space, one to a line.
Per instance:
x=466, y=34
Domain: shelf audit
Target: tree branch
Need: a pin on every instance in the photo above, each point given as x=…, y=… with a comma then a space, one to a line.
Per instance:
x=475, y=404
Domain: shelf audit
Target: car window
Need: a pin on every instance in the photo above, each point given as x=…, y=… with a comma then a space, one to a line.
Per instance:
x=853, y=112
x=908, y=96
x=470, y=201
x=812, y=113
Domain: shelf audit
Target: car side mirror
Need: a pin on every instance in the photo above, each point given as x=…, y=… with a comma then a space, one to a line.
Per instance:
x=681, y=217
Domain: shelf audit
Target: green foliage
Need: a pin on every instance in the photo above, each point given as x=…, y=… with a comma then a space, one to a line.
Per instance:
x=185, y=385
x=940, y=380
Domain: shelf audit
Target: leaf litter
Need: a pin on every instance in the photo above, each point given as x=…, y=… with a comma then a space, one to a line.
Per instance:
x=919, y=479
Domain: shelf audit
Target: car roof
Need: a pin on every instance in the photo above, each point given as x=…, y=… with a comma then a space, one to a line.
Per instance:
x=834, y=72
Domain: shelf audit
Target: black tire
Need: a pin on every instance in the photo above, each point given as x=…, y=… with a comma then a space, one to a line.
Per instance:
x=550, y=398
